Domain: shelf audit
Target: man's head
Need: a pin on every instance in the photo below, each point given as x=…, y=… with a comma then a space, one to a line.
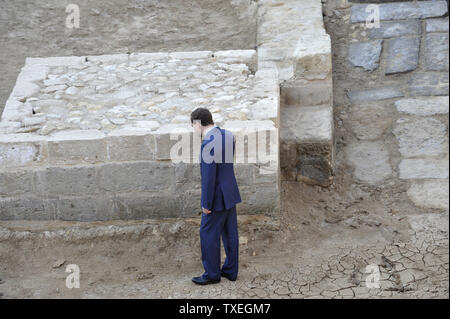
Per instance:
x=201, y=118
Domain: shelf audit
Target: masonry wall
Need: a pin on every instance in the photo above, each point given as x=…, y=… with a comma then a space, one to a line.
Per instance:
x=127, y=169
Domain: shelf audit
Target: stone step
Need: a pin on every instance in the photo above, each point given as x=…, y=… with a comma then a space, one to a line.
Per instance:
x=306, y=144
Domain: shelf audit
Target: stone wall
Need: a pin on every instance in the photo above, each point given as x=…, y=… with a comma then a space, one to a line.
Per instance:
x=301, y=49
x=90, y=138
x=395, y=105
x=60, y=105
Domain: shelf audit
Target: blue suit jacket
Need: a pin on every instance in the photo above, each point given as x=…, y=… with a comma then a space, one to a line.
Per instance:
x=219, y=186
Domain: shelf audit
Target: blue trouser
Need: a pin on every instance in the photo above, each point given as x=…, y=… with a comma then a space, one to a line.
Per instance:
x=213, y=225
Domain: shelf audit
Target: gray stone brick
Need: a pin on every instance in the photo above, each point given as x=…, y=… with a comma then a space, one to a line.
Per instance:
x=77, y=152
x=403, y=55
x=164, y=145
x=245, y=173
x=66, y=181
x=437, y=25
x=16, y=183
x=137, y=206
x=375, y=94
x=307, y=94
x=402, y=11
x=131, y=148
x=421, y=137
x=185, y=172
x=21, y=154
x=371, y=161
x=26, y=208
x=365, y=55
x=390, y=29
x=426, y=84
x=412, y=168
x=436, y=52
x=424, y=106
x=86, y=208
x=259, y=199
x=135, y=177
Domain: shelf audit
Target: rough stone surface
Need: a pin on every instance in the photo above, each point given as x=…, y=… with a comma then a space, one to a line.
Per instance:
x=371, y=161
x=424, y=106
x=369, y=121
x=391, y=29
x=423, y=168
x=436, y=52
x=366, y=55
x=430, y=194
x=400, y=11
x=142, y=89
x=367, y=95
x=403, y=55
x=437, y=25
x=303, y=124
x=421, y=137
x=424, y=84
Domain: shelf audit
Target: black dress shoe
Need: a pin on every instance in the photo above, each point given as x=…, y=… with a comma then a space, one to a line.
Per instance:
x=204, y=281
x=228, y=277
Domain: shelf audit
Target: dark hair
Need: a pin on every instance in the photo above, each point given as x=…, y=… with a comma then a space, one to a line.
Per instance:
x=202, y=114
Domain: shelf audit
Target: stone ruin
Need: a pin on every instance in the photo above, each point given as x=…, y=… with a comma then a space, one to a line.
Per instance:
x=89, y=137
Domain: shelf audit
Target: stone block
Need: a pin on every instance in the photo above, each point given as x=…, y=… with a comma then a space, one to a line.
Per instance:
x=430, y=194
x=401, y=11
x=303, y=124
x=370, y=161
x=391, y=29
x=313, y=57
x=20, y=150
x=403, y=55
x=259, y=199
x=69, y=181
x=136, y=176
x=369, y=121
x=423, y=106
x=86, y=208
x=437, y=25
x=77, y=147
x=130, y=145
x=365, y=54
x=26, y=208
x=174, y=143
x=307, y=93
x=315, y=163
x=421, y=137
x=425, y=84
x=374, y=94
x=418, y=168
x=245, y=173
x=436, y=52
x=138, y=206
x=15, y=183
x=187, y=177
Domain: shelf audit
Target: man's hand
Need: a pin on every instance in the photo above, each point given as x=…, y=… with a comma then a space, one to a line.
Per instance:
x=206, y=211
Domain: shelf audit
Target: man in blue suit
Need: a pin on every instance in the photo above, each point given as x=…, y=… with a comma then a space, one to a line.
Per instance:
x=219, y=197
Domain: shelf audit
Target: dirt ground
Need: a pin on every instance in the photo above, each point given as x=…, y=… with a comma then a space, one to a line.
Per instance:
x=319, y=248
